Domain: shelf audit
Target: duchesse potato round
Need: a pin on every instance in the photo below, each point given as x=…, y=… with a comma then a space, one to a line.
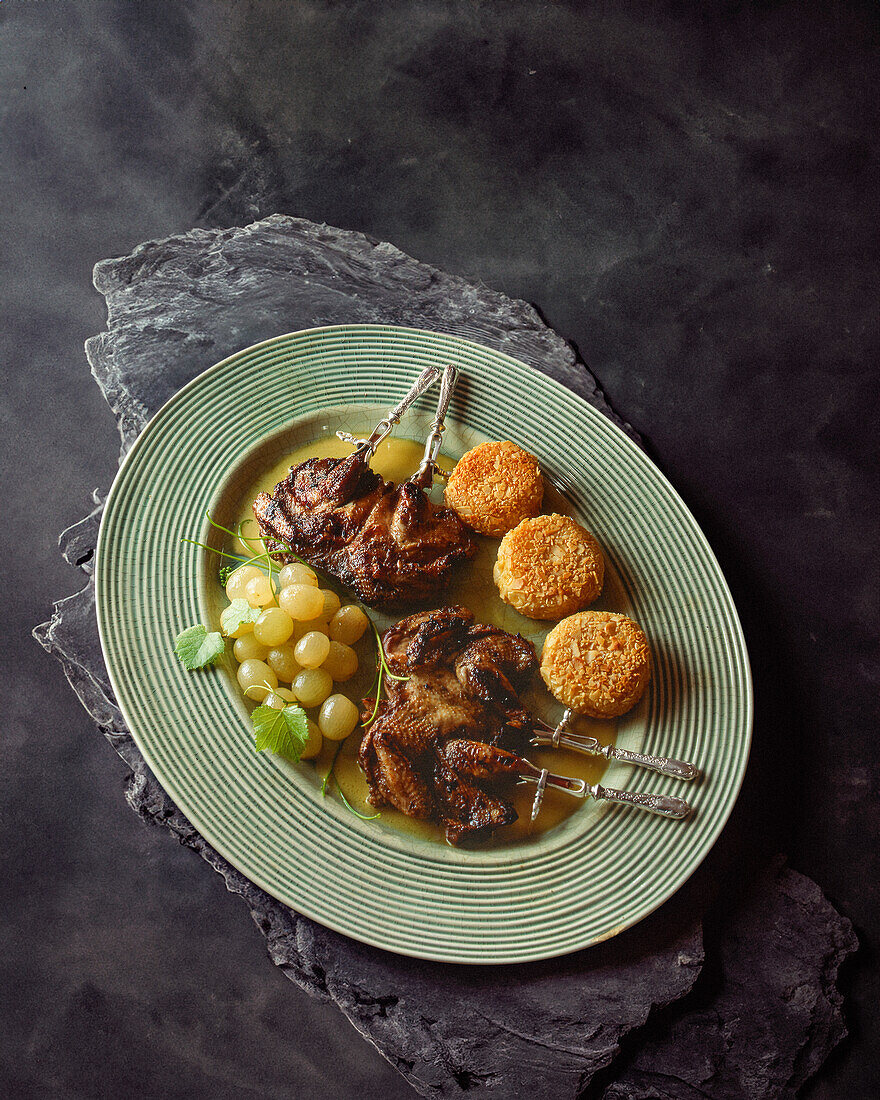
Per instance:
x=549, y=567
x=494, y=486
x=597, y=662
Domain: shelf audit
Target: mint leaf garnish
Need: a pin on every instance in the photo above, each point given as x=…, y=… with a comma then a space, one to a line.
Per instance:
x=196, y=648
x=238, y=612
x=283, y=732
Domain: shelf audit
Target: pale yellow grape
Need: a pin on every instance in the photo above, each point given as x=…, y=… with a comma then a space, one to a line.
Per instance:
x=314, y=743
x=275, y=701
x=297, y=573
x=286, y=694
x=237, y=581
x=243, y=630
x=283, y=663
x=301, y=629
x=247, y=646
x=273, y=627
x=260, y=591
x=301, y=601
x=341, y=662
x=331, y=604
x=348, y=624
x=256, y=673
x=312, y=649
x=337, y=718
x=312, y=686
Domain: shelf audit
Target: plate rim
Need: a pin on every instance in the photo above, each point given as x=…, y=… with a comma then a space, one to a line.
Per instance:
x=582, y=407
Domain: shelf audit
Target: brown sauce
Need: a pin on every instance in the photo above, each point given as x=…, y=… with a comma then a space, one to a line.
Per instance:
x=472, y=587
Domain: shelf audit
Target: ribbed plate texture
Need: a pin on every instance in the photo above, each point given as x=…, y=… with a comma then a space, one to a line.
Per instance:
x=608, y=866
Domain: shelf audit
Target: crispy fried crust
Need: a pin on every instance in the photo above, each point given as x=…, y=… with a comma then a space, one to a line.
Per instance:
x=389, y=543
x=549, y=567
x=495, y=486
x=597, y=662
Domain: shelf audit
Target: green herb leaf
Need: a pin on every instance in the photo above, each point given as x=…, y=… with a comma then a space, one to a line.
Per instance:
x=283, y=732
x=238, y=612
x=197, y=648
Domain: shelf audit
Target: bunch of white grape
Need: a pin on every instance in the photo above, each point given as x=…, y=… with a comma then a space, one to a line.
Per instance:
x=303, y=638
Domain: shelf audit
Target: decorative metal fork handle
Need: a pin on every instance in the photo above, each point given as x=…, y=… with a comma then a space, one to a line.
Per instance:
x=664, y=805
x=424, y=476
x=424, y=382
x=562, y=737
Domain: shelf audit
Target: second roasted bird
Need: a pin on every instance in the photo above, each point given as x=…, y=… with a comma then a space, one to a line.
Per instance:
x=462, y=684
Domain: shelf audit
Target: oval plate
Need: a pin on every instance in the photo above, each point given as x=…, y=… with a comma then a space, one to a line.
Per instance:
x=564, y=890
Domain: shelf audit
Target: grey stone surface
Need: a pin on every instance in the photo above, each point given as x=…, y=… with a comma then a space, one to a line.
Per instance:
x=770, y=1010
x=177, y=305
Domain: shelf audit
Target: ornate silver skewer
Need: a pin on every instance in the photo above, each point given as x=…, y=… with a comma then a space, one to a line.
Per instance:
x=664, y=805
x=424, y=475
x=424, y=382
x=563, y=737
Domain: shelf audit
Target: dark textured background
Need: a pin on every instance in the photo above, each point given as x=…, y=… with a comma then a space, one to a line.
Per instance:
x=688, y=195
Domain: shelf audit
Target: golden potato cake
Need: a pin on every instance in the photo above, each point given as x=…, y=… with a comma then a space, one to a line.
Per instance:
x=597, y=662
x=548, y=567
x=494, y=486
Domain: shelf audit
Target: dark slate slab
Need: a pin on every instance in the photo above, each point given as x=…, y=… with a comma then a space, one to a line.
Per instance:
x=542, y=1030
x=178, y=305
x=769, y=1014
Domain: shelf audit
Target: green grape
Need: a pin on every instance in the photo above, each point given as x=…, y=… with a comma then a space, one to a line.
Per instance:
x=237, y=582
x=283, y=663
x=337, y=718
x=331, y=604
x=314, y=743
x=253, y=673
x=301, y=601
x=260, y=591
x=297, y=573
x=247, y=646
x=312, y=686
x=348, y=624
x=312, y=649
x=341, y=662
x=273, y=627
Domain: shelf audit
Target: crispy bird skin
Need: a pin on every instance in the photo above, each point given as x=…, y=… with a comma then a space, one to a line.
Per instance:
x=389, y=543
x=421, y=752
x=480, y=761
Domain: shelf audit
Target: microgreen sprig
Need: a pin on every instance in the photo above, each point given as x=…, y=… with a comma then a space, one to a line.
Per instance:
x=331, y=775
x=382, y=670
x=262, y=561
x=258, y=687
x=357, y=813
x=214, y=550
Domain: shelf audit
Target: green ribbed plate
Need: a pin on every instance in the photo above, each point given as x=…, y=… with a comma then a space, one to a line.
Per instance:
x=602, y=870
